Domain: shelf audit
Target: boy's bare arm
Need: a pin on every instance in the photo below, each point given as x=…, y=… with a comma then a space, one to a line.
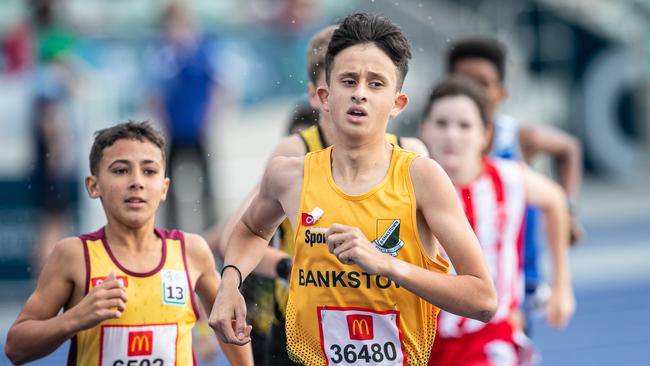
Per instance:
x=207, y=282
x=291, y=146
x=470, y=293
x=565, y=150
x=39, y=330
x=549, y=197
x=247, y=245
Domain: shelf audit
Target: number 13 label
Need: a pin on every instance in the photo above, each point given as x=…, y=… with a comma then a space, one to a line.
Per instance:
x=174, y=287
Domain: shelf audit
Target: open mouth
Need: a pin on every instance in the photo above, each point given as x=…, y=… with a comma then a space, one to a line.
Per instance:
x=357, y=112
x=135, y=201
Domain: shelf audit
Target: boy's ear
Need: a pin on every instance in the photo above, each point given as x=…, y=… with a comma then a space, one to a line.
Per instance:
x=312, y=95
x=91, y=186
x=401, y=101
x=166, y=188
x=323, y=94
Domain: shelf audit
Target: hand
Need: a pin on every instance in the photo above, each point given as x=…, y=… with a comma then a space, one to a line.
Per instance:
x=577, y=231
x=560, y=308
x=228, y=316
x=106, y=301
x=350, y=246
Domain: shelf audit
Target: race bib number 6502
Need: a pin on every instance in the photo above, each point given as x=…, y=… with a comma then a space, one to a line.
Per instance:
x=355, y=336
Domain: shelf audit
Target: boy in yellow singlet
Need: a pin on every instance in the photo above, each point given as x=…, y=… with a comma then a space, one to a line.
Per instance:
x=126, y=290
x=277, y=263
x=367, y=282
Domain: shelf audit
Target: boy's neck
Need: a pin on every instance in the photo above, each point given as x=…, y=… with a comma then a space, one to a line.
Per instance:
x=326, y=128
x=357, y=168
x=136, y=240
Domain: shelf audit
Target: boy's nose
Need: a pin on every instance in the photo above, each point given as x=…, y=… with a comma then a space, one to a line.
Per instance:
x=359, y=94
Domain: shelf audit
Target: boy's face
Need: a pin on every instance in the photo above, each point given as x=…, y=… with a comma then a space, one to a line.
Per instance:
x=130, y=181
x=454, y=133
x=362, y=93
x=486, y=74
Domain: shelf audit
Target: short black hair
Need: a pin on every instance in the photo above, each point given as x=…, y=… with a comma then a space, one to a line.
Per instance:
x=141, y=131
x=488, y=49
x=303, y=115
x=360, y=28
x=456, y=85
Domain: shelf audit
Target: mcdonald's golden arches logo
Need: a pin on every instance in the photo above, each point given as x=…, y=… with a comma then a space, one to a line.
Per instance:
x=140, y=343
x=360, y=327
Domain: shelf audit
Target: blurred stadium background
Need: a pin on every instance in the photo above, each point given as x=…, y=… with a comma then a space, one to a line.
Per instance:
x=582, y=65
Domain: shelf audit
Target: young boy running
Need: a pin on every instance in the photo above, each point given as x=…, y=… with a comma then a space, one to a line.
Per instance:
x=366, y=281
x=277, y=263
x=494, y=194
x=126, y=290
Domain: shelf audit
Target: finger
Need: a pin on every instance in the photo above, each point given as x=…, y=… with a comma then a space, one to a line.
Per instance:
x=110, y=314
x=240, y=322
x=347, y=256
x=334, y=240
x=111, y=276
x=115, y=303
x=336, y=228
x=342, y=248
x=225, y=330
x=111, y=283
x=116, y=293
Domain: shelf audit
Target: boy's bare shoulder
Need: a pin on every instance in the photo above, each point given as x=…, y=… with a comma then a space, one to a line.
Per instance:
x=425, y=170
x=68, y=258
x=292, y=145
x=283, y=170
x=196, y=246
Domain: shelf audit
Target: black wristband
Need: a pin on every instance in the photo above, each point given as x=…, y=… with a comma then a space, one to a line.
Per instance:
x=283, y=268
x=236, y=269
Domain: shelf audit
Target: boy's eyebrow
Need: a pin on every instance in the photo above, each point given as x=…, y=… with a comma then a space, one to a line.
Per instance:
x=375, y=75
x=348, y=74
x=128, y=162
x=120, y=161
x=149, y=161
x=355, y=75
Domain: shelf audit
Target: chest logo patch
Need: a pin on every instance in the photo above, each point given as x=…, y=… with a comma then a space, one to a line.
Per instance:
x=387, y=234
x=309, y=219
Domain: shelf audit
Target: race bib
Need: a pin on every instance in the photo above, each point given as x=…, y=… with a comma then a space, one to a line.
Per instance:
x=152, y=345
x=174, y=287
x=353, y=336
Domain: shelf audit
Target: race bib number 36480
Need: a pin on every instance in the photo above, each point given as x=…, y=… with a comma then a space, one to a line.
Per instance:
x=354, y=336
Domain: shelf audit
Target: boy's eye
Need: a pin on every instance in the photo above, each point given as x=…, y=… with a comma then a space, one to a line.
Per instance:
x=120, y=170
x=348, y=82
x=150, y=171
x=376, y=84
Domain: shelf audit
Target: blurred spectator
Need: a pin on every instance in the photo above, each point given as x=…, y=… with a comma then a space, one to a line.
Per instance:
x=184, y=93
x=54, y=173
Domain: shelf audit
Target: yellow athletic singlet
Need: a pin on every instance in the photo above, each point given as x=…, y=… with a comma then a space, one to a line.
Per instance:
x=156, y=327
x=339, y=314
x=314, y=141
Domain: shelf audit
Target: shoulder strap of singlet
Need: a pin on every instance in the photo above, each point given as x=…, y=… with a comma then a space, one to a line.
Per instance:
x=393, y=139
x=313, y=138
